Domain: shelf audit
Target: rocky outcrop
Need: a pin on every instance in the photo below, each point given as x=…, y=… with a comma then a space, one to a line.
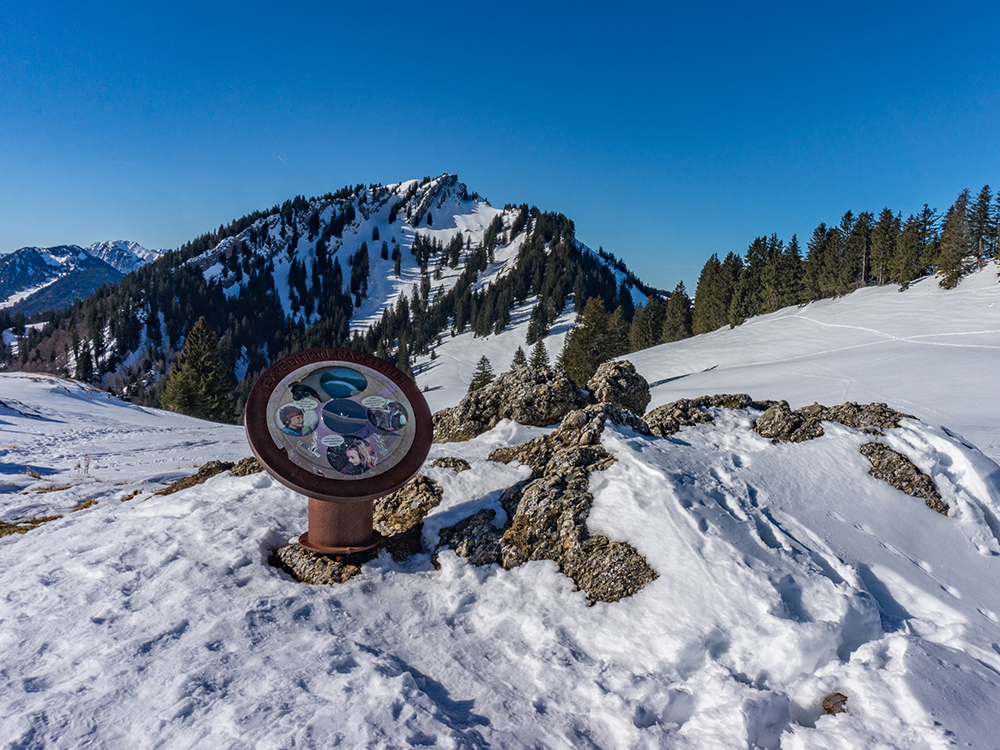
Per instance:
x=475, y=538
x=547, y=514
x=668, y=419
x=247, y=466
x=834, y=703
x=581, y=427
x=532, y=396
x=450, y=462
x=781, y=424
x=309, y=567
x=617, y=382
x=406, y=508
x=901, y=473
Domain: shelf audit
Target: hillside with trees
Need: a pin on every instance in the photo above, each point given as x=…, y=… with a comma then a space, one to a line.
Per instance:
x=383, y=269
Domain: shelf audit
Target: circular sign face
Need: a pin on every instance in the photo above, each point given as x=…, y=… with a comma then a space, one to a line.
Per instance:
x=339, y=425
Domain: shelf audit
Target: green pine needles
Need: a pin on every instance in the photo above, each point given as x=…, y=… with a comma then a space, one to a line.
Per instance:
x=483, y=374
x=199, y=384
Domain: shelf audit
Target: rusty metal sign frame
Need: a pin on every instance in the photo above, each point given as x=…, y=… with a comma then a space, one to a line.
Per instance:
x=340, y=509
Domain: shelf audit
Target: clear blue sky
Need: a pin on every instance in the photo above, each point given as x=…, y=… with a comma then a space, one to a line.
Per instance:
x=667, y=132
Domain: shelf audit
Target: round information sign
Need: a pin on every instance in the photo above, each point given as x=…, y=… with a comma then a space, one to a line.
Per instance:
x=338, y=425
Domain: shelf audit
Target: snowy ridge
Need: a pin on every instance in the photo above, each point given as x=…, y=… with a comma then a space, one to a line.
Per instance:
x=124, y=256
x=437, y=210
x=78, y=271
x=787, y=572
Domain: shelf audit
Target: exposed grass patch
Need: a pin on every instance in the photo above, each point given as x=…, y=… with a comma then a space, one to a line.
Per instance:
x=52, y=489
x=85, y=504
x=23, y=527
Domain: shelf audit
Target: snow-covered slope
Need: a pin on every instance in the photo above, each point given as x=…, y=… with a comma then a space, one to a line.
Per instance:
x=123, y=255
x=926, y=351
x=35, y=279
x=786, y=571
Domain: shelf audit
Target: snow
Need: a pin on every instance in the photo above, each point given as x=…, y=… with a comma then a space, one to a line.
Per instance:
x=921, y=351
x=786, y=571
x=25, y=293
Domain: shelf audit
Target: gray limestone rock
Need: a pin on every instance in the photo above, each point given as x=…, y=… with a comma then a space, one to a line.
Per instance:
x=450, y=462
x=531, y=396
x=781, y=424
x=618, y=383
x=246, y=466
x=900, y=472
x=309, y=567
x=547, y=514
x=475, y=538
x=668, y=419
x=405, y=508
x=581, y=427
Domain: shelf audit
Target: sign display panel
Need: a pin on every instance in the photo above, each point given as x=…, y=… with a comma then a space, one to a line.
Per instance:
x=336, y=424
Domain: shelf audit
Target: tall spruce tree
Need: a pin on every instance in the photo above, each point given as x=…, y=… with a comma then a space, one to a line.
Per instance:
x=677, y=316
x=597, y=337
x=483, y=374
x=954, y=242
x=885, y=236
x=709, y=310
x=199, y=384
x=539, y=356
x=520, y=360
x=647, y=324
x=981, y=232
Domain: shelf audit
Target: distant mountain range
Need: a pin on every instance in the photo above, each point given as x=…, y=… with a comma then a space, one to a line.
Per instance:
x=37, y=279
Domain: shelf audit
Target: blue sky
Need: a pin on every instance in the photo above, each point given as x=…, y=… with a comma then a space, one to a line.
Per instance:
x=666, y=132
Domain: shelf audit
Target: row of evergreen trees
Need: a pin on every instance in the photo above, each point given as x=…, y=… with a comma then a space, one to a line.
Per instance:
x=861, y=250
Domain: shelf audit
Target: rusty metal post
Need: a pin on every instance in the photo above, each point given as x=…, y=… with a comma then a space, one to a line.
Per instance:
x=340, y=528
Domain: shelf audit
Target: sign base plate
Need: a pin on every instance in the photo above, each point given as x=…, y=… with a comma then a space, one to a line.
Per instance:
x=340, y=552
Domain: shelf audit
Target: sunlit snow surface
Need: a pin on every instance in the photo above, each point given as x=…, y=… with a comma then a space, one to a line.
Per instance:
x=786, y=572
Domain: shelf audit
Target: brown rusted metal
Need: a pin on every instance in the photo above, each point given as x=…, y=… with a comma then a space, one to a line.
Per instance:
x=341, y=503
x=340, y=528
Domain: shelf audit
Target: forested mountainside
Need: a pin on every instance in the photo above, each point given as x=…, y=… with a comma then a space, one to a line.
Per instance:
x=385, y=268
x=861, y=250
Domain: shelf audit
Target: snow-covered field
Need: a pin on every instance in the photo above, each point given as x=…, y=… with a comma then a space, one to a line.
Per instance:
x=786, y=572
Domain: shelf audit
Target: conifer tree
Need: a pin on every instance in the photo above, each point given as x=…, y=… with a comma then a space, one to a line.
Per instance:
x=980, y=227
x=84, y=362
x=954, y=242
x=539, y=356
x=595, y=339
x=199, y=384
x=482, y=376
x=677, y=316
x=520, y=360
x=708, y=305
x=647, y=324
x=885, y=236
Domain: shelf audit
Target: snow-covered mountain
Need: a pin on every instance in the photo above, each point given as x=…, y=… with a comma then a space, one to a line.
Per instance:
x=786, y=572
x=123, y=255
x=36, y=279
x=387, y=268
